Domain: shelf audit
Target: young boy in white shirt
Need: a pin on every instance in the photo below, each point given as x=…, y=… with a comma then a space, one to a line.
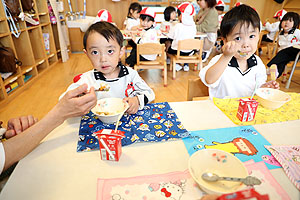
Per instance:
x=236, y=72
x=103, y=44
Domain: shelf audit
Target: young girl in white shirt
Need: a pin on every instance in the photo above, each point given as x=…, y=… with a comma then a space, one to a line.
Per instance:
x=288, y=37
x=186, y=29
x=132, y=21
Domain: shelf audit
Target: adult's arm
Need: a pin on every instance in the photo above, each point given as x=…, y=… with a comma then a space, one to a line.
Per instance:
x=71, y=105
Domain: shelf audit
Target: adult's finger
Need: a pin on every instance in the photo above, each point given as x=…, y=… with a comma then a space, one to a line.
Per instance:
x=10, y=133
x=15, y=124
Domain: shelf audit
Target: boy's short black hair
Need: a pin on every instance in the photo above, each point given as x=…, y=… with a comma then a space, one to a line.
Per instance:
x=291, y=16
x=220, y=8
x=107, y=30
x=134, y=6
x=243, y=14
x=146, y=17
x=168, y=11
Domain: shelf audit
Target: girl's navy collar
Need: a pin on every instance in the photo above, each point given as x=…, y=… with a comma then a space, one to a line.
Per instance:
x=123, y=72
x=251, y=62
x=290, y=31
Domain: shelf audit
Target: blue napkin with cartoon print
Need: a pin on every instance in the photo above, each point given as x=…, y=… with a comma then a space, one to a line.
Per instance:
x=156, y=122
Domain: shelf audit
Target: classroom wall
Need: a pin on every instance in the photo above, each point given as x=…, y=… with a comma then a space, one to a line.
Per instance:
x=117, y=9
x=265, y=8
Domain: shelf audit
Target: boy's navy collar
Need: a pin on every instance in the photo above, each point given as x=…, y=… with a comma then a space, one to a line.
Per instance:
x=290, y=31
x=251, y=62
x=123, y=72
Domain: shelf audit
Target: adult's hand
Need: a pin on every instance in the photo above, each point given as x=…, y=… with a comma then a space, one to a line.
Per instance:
x=18, y=125
x=76, y=102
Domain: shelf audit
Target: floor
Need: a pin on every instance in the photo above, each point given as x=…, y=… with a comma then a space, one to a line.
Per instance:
x=44, y=92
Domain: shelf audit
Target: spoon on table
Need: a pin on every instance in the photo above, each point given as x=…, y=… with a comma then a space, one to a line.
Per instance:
x=120, y=116
x=249, y=180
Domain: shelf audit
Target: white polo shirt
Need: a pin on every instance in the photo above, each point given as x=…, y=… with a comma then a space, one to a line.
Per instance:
x=2, y=157
x=131, y=22
x=233, y=82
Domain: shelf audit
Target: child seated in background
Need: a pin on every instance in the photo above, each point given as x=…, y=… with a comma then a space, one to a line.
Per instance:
x=103, y=44
x=288, y=37
x=220, y=9
x=167, y=25
x=236, y=72
x=185, y=29
x=272, y=28
x=132, y=21
x=207, y=22
x=148, y=35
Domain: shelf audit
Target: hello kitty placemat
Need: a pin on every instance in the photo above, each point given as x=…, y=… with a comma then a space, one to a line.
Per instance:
x=268, y=184
x=156, y=122
x=174, y=185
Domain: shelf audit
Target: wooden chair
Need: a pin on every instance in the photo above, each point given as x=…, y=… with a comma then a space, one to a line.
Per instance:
x=197, y=90
x=272, y=47
x=159, y=63
x=188, y=44
x=287, y=85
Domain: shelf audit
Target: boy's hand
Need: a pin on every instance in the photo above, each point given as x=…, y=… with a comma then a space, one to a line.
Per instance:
x=230, y=48
x=271, y=84
x=18, y=125
x=133, y=103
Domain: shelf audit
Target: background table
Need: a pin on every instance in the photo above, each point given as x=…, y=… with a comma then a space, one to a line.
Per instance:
x=54, y=170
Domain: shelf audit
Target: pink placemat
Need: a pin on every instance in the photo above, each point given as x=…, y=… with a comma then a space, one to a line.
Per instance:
x=289, y=158
x=169, y=186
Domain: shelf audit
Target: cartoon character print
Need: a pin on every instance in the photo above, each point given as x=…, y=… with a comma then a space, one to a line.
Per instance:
x=160, y=133
x=138, y=119
x=151, y=121
x=180, y=126
x=173, y=132
x=270, y=160
x=81, y=138
x=168, y=124
x=143, y=127
x=156, y=116
x=161, y=106
x=174, y=190
x=134, y=138
x=149, y=137
x=237, y=145
x=296, y=159
x=129, y=90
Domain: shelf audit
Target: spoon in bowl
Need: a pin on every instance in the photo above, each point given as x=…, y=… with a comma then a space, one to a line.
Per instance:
x=120, y=116
x=249, y=180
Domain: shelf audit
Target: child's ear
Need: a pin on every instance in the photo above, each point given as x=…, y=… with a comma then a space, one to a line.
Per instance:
x=122, y=51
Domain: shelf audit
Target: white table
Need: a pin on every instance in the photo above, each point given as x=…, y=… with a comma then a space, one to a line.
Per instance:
x=54, y=170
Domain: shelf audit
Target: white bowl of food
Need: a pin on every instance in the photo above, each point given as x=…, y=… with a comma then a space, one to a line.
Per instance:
x=272, y=98
x=218, y=162
x=109, y=109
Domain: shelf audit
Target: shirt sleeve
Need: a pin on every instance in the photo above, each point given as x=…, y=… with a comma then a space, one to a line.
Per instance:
x=203, y=71
x=85, y=78
x=144, y=93
x=2, y=157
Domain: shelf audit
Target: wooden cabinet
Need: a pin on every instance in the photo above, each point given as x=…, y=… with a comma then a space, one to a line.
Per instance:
x=30, y=48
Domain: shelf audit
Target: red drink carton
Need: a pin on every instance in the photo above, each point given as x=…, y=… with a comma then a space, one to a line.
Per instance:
x=110, y=144
x=247, y=110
